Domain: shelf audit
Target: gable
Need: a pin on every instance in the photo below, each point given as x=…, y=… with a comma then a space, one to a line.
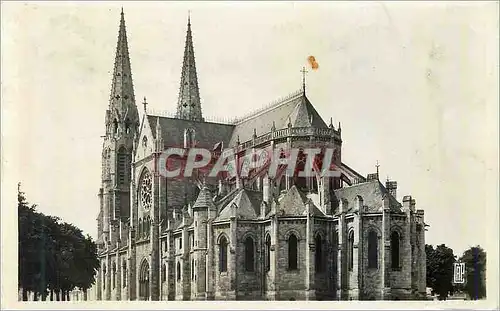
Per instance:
x=145, y=144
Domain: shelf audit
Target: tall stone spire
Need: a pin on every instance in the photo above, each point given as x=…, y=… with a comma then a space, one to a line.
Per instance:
x=189, y=105
x=122, y=99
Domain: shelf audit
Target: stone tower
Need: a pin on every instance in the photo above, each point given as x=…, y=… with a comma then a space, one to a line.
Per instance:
x=122, y=124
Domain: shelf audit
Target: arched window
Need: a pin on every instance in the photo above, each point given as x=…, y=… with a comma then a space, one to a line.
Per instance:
x=335, y=240
x=127, y=126
x=189, y=138
x=395, y=250
x=123, y=169
x=124, y=273
x=139, y=227
x=144, y=281
x=113, y=276
x=372, y=250
x=318, y=254
x=192, y=269
x=178, y=271
x=103, y=276
x=350, y=250
x=249, y=254
x=115, y=126
x=163, y=273
x=268, y=253
x=292, y=252
x=223, y=254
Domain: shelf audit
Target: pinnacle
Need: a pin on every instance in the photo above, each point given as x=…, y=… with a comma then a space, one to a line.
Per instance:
x=189, y=105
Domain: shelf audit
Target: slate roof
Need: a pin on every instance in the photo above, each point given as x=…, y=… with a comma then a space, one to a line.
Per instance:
x=372, y=192
x=293, y=203
x=207, y=134
x=247, y=204
x=180, y=222
x=204, y=199
x=351, y=174
x=297, y=109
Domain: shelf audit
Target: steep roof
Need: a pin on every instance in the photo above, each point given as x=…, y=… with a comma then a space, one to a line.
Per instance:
x=352, y=175
x=296, y=109
x=207, y=134
x=247, y=204
x=189, y=105
x=372, y=192
x=293, y=203
x=122, y=99
x=205, y=199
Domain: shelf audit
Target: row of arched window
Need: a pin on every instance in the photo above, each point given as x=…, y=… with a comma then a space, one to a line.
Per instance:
x=114, y=275
x=319, y=254
x=144, y=226
x=293, y=242
x=373, y=250
x=127, y=122
x=178, y=271
x=249, y=253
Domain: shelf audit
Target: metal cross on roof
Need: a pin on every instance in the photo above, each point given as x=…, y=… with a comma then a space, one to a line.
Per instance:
x=145, y=103
x=304, y=71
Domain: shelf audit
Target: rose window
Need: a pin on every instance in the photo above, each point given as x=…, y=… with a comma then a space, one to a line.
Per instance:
x=146, y=191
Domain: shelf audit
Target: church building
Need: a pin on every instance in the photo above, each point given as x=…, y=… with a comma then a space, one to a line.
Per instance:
x=262, y=238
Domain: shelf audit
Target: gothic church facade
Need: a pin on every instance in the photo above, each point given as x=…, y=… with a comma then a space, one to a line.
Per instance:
x=286, y=238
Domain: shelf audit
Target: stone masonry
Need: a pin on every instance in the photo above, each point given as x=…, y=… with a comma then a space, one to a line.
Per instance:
x=283, y=238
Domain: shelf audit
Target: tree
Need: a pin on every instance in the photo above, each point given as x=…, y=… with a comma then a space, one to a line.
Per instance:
x=53, y=256
x=87, y=264
x=440, y=270
x=27, y=256
x=475, y=269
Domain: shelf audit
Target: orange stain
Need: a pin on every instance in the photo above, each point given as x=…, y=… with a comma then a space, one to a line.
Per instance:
x=312, y=62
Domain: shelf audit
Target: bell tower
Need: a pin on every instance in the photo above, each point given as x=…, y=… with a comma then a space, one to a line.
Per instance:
x=122, y=125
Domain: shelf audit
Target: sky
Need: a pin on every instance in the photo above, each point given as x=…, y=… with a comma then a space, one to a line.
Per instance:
x=414, y=85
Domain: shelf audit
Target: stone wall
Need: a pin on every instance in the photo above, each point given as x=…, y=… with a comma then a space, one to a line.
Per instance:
x=372, y=277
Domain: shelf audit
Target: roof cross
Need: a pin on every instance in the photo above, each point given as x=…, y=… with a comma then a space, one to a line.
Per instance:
x=304, y=71
x=145, y=103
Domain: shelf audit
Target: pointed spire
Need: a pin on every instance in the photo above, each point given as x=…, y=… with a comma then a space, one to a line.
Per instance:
x=331, y=123
x=122, y=98
x=189, y=105
x=339, y=129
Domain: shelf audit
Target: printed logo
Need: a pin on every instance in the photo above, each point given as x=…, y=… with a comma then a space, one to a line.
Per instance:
x=459, y=272
x=198, y=162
